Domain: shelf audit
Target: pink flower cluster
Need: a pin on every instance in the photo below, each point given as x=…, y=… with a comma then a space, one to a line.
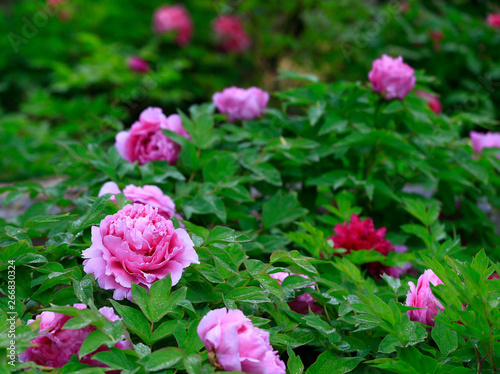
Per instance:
x=422, y=297
x=358, y=234
x=56, y=345
x=432, y=100
x=146, y=141
x=488, y=140
x=137, y=245
x=237, y=345
x=147, y=195
x=302, y=303
x=230, y=34
x=494, y=20
x=135, y=63
x=392, y=77
x=173, y=18
x=239, y=103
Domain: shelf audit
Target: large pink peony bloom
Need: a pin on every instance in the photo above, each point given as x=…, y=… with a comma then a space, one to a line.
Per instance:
x=173, y=18
x=302, y=303
x=494, y=20
x=239, y=103
x=137, y=245
x=56, y=346
x=237, y=344
x=146, y=142
x=392, y=77
x=422, y=297
x=488, y=140
x=135, y=63
x=432, y=100
x=230, y=34
x=148, y=194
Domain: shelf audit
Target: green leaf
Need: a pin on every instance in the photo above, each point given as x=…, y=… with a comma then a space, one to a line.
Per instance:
x=162, y=359
x=294, y=258
x=294, y=364
x=281, y=209
x=445, y=338
x=192, y=364
x=394, y=283
x=248, y=295
x=327, y=362
x=92, y=342
x=134, y=320
x=116, y=359
x=165, y=329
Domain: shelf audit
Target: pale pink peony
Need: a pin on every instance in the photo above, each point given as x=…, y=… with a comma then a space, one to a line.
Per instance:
x=146, y=142
x=392, y=77
x=147, y=194
x=135, y=63
x=137, y=245
x=230, y=34
x=494, y=20
x=488, y=140
x=432, y=100
x=237, y=344
x=422, y=297
x=239, y=103
x=302, y=303
x=173, y=18
x=56, y=346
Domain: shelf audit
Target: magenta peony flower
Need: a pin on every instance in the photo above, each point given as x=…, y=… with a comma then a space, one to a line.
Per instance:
x=239, y=103
x=434, y=103
x=146, y=142
x=230, y=34
x=137, y=245
x=135, y=63
x=422, y=297
x=494, y=20
x=392, y=77
x=175, y=18
x=488, y=140
x=56, y=346
x=148, y=194
x=237, y=345
x=301, y=303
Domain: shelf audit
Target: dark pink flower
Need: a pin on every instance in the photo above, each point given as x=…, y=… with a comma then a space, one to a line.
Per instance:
x=237, y=345
x=135, y=63
x=494, y=20
x=56, y=345
x=137, y=245
x=422, y=297
x=488, y=140
x=146, y=141
x=302, y=303
x=434, y=103
x=392, y=77
x=494, y=276
x=230, y=34
x=173, y=18
x=240, y=103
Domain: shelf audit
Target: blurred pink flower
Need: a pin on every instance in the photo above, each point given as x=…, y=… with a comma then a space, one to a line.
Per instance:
x=135, y=63
x=302, y=303
x=175, y=18
x=146, y=141
x=137, y=245
x=230, y=34
x=392, y=77
x=56, y=345
x=421, y=297
x=239, y=103
x=434, y=103
x=237, y=345
x=494, y=20
x=488, y=140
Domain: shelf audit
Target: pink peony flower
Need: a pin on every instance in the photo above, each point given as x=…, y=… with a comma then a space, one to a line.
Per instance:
x=146, y=142
x=230, y=34
x=301, y=303
x=494, y=20
x=488, y=140
x=238, y=345
x=137, y=245
x=422, y=297
x=392, y=77
x=148, y=194
x=135, y=63
x=494, y=276
x=173, y=18
x=432, y=100
x=239, y=103
x=56, y=346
